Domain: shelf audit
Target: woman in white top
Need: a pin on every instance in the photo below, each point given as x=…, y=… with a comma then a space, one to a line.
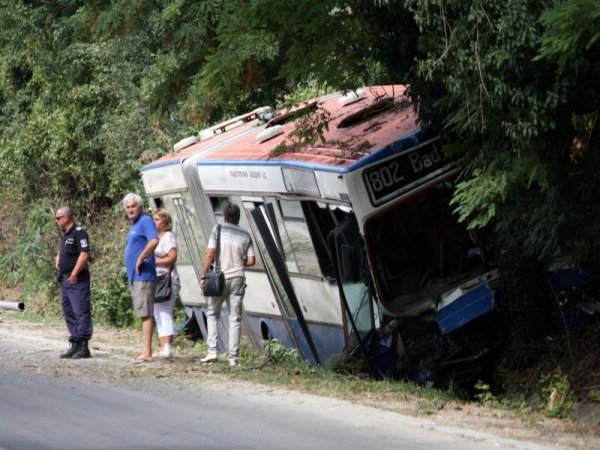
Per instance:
x=166, y=257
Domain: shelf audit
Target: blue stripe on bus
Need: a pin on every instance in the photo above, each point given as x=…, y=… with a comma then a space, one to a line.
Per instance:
x=408, y=141
x=278, y=162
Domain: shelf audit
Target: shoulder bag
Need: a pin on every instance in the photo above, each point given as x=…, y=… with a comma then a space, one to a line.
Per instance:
x=214, y=279
x=162, y=291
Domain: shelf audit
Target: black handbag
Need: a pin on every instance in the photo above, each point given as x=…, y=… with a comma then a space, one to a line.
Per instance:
x=162, y=291
x=214, y=279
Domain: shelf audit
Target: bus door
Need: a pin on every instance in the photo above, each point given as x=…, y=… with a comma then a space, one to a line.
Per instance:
x=354, y=283
x=268, y=243
x=191, y=242
x=186, y=223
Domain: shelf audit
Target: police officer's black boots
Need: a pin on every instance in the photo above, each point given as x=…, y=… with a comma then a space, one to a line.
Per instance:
x=71, y=351
x=82, y=350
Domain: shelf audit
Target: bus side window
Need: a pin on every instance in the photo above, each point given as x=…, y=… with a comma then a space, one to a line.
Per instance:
x=320, y=220
x=300, y=242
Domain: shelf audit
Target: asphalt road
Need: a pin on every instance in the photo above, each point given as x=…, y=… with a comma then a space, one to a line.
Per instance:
x=41, y=412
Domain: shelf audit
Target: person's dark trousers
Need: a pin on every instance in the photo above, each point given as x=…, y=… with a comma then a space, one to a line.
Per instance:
x=76, y=308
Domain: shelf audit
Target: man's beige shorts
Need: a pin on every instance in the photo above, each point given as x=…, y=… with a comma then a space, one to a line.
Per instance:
x=142, y=296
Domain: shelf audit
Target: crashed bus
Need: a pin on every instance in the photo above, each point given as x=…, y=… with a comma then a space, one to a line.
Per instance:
x=359, y=253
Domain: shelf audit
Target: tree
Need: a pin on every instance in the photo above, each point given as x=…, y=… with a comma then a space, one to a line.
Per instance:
x=266, y=49
x=510, y=84
x=92, y=90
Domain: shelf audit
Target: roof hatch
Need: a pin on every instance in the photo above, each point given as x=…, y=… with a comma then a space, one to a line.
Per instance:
x=367, y=113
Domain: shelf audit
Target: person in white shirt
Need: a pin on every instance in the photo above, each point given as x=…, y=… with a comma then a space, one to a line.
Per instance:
x=235, y=253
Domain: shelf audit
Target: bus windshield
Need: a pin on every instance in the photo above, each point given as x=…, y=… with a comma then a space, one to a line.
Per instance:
x=418, y=250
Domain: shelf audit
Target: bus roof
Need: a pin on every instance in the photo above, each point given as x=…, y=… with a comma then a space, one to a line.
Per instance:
x=357, y=124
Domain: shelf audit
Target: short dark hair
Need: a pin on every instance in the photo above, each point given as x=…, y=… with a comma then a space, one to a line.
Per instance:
x=231, y=213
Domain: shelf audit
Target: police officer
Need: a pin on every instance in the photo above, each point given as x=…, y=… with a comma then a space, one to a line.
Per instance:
x=74, y=278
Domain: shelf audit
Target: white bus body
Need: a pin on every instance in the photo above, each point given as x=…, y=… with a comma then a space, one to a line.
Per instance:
x=358, y=250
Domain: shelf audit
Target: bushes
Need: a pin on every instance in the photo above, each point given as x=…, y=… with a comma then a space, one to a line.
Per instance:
x=28, y=251
x=111, y=301
x=28, y=247
x=557, y=394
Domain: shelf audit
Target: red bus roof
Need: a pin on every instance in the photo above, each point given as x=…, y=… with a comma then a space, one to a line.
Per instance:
x=379, y=115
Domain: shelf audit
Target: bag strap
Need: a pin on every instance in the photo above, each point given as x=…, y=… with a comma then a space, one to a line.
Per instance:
x=217, y=253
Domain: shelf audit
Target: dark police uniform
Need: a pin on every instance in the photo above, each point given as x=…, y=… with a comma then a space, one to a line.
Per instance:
x=75, y=296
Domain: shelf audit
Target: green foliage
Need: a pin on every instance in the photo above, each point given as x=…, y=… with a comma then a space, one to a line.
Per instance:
x=112, y=302
x=594, y=396
x=556, y=394
x=476, y=199
x=525, y=309
x=90, y=92
x=30, y=262
x=303, y=92
x=110, y=292
x=264, y=51
x=570, y=28
x=484, y=393
x=340, y=365
x=429, y=406
x=276, y=352
x=510, y=85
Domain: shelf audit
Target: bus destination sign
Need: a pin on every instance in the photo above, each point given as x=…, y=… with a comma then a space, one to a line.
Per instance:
x=404, y=172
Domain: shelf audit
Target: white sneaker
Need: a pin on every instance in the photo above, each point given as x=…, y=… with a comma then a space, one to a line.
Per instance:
x=209, y=358
x=233, y=362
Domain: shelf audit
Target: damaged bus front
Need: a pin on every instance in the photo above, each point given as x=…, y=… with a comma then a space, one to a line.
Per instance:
x=419, y=289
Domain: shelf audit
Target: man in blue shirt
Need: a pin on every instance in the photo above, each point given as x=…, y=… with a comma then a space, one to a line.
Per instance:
x=142, y=239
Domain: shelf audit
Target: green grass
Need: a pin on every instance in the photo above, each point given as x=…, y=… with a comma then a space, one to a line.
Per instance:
x=284, y=368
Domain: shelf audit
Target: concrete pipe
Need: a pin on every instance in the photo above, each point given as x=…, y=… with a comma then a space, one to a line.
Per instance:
x=15, y=306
